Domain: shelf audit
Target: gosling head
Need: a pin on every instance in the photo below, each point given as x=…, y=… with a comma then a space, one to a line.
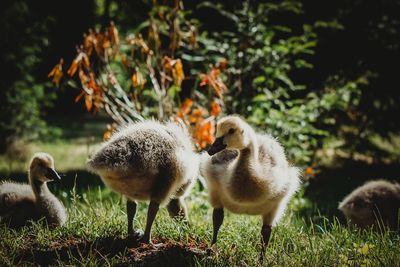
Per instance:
x=42, y=168
x=358, y=210
x=232, y=133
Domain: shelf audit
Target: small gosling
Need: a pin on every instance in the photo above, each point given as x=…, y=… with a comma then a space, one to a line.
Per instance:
x=373, y=204
x=247, y=173
x=20, y=203
x=148, y=161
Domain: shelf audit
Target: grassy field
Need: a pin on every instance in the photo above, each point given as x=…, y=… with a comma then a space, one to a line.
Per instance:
x=96, y=231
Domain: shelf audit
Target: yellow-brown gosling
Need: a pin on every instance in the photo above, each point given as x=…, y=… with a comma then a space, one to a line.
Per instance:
x=374, y=203
x=247, y=173
x=20, y=203
x=148, y=161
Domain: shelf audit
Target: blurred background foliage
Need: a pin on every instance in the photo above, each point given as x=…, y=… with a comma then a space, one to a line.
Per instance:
x=318, y=76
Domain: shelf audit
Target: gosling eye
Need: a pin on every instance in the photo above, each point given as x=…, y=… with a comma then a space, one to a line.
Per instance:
x=231, y=131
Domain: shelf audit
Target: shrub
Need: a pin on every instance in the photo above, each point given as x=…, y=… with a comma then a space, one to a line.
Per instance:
x=159, y=68
x=22, y=95
x=263, y=57
x=152, y=71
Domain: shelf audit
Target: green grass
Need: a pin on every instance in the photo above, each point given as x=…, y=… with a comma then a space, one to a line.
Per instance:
x=68, y=155
x=97, y=218
x=95, y=233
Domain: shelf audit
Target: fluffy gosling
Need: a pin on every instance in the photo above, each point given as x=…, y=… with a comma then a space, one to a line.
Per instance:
x=20, y=203
x=247, y=173
x=148, y=161
x=376, y=203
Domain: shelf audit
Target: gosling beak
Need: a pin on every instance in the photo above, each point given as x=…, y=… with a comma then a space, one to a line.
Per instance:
x=217, y=146
x=52, y=174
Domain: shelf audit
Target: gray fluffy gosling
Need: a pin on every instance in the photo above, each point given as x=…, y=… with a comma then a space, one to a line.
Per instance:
x=374, y=203
x=148, y=161
x=247, y=173
x=20, y=203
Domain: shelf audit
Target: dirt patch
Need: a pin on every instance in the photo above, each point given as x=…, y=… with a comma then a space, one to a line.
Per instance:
x=168, y=253
x=164, y=253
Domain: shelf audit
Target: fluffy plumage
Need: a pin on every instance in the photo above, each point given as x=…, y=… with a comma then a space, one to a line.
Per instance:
x=374, y=203
x=20, y=203
x=148, y=161
x=247, y=173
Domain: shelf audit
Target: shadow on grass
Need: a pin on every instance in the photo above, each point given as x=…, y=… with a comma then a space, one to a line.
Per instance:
x=167, y=253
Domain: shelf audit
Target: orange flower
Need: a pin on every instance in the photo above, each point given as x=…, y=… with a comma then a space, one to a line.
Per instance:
x=98, y=101
x=180, y=115
x=215, y=72
x=92, y=91
x=89, y=41
x=309, y=171
x=212, y=79
x=141, y=43
x=56, y=73
x=93, y=84
x=215, y=108
x=197, y=114
x=137, y=79
x=204, y=133
x=177, y=72
x=204, y=79
x=186, y=106
x=79, y=96
x=83, y=78
x=88, y=102
x=167, y=63
x=107, y=134
x=80, y=59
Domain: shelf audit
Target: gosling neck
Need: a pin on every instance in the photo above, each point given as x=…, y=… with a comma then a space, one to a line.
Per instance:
x=251, y=150
x=39, y=188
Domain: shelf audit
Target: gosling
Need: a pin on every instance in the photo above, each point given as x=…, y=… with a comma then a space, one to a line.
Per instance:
x=148, y=161
x=247, y=173
x=21, y=203
x=376, y=203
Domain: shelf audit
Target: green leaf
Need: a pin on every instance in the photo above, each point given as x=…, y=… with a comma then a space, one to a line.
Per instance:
x=259, y=80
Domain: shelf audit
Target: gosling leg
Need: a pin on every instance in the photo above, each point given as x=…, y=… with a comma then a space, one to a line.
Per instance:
x=265, y=236
x=177, y=209
x=266, y=231
x=131, y=212
x=218, y=218
x=151, y=215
